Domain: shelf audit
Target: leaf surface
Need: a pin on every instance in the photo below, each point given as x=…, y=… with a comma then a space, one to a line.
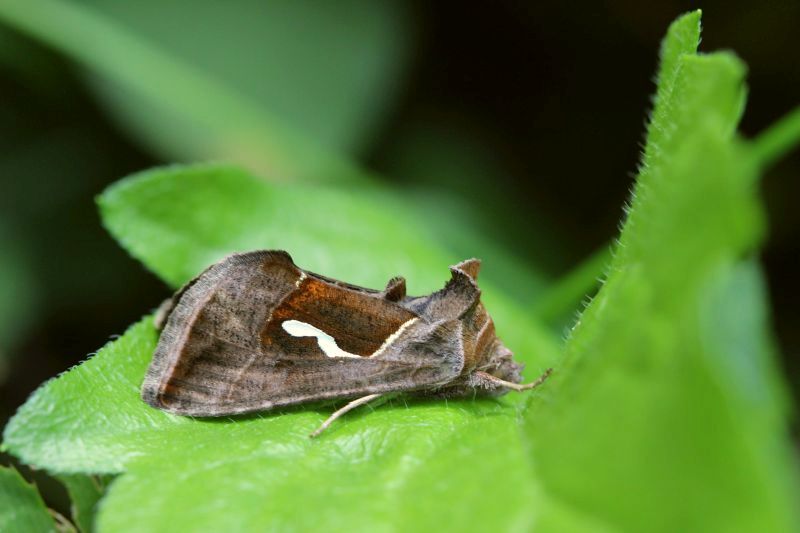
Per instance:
x=669, y=377
x=21, y=506
x=177, y=221
x=84, y=493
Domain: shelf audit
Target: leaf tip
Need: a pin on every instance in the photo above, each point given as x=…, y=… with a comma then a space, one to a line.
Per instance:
x=689, y=19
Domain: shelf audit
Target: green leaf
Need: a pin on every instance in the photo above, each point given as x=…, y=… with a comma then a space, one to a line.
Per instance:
x=779, y=139
x=84, y=492
x=668, y=411
x=90, y=419
x=181, y=91
x=21, y=506
x=284, y=63
x=683, y=38
x=394, y=473
x=177, y=221
x=185, y=471
x=572, y=287
x=162, y=218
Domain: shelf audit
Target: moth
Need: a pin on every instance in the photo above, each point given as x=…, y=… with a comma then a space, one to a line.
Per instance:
x=254, y=332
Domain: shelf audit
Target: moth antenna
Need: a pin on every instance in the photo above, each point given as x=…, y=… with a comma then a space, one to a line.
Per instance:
x=350, y=406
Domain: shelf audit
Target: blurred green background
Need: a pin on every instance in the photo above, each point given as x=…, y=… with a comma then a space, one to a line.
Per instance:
x=531, y=113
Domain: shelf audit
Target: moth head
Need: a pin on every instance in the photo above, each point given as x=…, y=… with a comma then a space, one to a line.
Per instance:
x=500, y=363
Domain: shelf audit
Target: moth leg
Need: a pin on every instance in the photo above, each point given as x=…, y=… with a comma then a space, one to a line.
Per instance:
x=350, y=406
x=481, y=377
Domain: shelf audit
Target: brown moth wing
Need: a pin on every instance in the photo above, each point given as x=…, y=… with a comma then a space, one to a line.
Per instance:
x=431, y=356
x=223, y=349
x=166, y=307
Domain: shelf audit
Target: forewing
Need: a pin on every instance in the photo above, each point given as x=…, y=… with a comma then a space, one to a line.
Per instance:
x=416, y=362
x=206, y=333
x=223, y=350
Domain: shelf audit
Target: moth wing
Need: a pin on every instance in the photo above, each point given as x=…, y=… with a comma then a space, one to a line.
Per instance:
x=422, y=361
x=207, y=312
x=426, y=357
x=239, y=358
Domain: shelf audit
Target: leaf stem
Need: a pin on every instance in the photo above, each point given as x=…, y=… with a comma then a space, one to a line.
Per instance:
x=779, y=139
x=563, y=295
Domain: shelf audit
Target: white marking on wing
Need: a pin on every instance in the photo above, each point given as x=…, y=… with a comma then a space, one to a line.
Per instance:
x=326, y=343
x=393, y=337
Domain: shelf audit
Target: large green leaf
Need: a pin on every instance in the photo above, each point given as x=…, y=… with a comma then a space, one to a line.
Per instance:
x=396, y=472
x=177, y=221
x=21, y=506
x=667, y=412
